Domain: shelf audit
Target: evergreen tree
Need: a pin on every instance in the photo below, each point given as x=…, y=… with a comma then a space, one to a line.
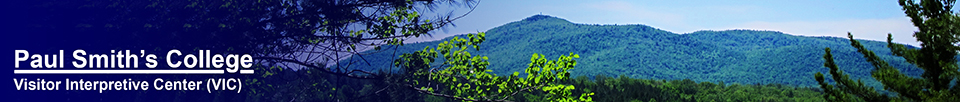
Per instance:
x=938, y=34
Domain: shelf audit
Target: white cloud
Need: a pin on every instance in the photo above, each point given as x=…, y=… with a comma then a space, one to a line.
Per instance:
x=871, y=29
x=727, y=17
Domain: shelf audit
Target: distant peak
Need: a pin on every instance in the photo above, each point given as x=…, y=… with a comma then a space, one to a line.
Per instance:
x=543, y=18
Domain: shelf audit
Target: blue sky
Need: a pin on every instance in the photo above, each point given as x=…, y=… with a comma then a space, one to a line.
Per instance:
x=866, y=19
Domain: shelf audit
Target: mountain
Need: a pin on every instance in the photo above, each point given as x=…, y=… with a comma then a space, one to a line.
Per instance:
x=639, y=51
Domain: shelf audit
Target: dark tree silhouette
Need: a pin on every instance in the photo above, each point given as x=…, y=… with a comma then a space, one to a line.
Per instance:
x=939, y=38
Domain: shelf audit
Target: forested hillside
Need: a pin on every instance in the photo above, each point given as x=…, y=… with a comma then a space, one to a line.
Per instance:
x=640, y=51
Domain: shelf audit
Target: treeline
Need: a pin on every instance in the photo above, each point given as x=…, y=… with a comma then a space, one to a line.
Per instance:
x=279, y=84
x=626, y=89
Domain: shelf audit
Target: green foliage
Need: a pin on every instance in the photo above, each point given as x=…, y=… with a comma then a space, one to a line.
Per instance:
x=305, y=85
x=938, y=35
x=275, y=32
x=465, y=77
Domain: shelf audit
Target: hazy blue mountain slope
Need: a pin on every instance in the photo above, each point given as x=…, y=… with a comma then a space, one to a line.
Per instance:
x=639, y=51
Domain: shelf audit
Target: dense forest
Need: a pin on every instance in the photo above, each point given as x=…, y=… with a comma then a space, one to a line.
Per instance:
x=639, y=51
x=305, y=85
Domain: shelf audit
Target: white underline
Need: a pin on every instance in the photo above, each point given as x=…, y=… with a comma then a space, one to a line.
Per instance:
x=246, y=71
x=211, y=71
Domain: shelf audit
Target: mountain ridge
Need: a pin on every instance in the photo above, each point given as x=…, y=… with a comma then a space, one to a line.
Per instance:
x=641, y=51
